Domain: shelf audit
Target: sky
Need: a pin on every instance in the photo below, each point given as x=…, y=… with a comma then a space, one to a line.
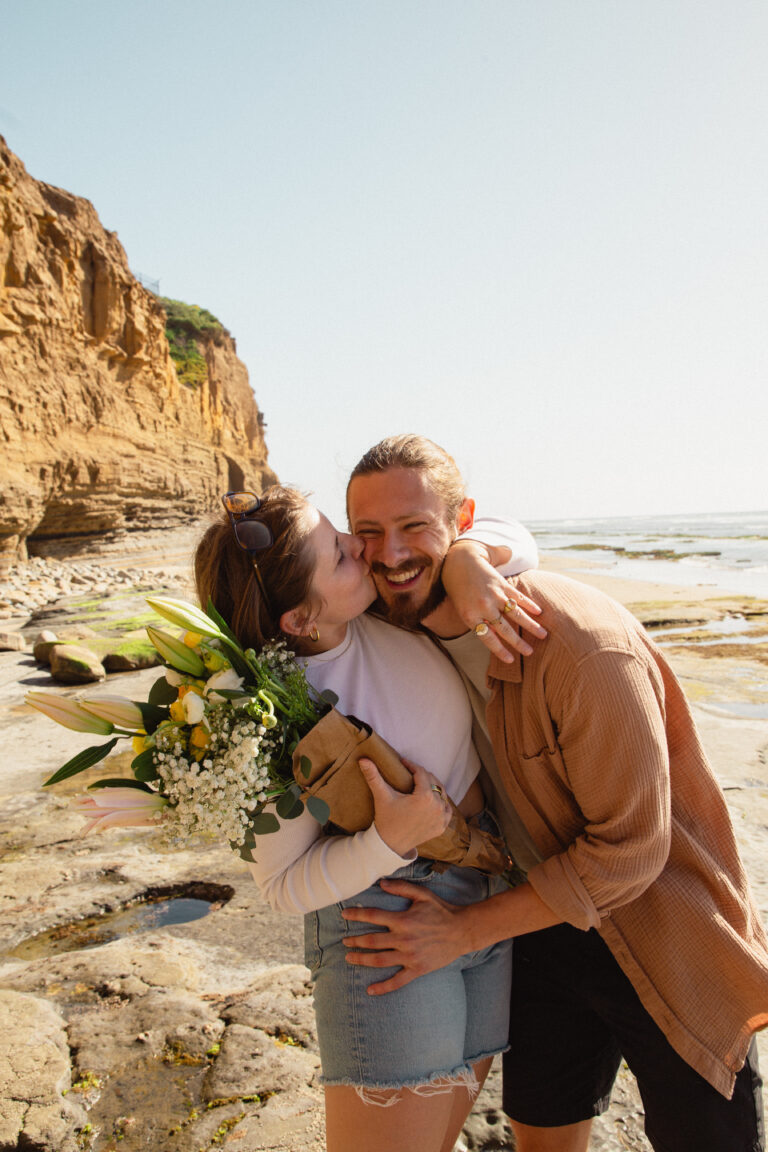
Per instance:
x=532, y=230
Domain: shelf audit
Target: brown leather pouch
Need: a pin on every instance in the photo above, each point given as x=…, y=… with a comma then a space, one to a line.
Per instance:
x=325, y=764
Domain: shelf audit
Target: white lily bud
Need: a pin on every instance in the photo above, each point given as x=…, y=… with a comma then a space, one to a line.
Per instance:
x=117, y=710
x=184, y=615
x=67, y=712
x=176, y=653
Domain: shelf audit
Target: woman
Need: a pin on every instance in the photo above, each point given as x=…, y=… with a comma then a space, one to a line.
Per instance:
x=277, y=568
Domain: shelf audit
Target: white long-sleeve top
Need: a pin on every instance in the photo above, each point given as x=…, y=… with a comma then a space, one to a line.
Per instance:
x=407, y=690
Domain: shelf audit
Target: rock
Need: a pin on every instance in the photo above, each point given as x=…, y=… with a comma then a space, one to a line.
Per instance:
x=34, y=1072
x=12, y=642
x=131, y=655
x=42, y=646
x=71, y=664
x=101, y=436
x=252, y=1063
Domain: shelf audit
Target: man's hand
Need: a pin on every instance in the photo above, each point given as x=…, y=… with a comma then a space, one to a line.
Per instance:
x=426, y=936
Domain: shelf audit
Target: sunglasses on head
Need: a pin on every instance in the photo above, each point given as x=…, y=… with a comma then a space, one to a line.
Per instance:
x=252, y=535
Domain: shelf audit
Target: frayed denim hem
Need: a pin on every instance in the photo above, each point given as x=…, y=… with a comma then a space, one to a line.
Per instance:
x=438, y=1084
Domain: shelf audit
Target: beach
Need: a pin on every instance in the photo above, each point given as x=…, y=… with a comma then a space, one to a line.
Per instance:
x=198, y=1033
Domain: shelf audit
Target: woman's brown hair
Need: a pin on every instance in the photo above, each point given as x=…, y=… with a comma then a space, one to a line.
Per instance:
x=224, y=571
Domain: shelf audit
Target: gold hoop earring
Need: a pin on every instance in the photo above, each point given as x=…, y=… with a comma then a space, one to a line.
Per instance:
x=314, y=635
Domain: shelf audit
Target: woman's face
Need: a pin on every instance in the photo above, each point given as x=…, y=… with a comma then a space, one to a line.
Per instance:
x=342, y=582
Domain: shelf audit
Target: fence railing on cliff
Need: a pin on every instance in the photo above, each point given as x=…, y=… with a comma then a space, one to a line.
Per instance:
x=148, y=283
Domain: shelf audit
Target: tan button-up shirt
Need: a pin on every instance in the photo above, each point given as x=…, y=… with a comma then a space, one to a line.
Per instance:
x=597, y=750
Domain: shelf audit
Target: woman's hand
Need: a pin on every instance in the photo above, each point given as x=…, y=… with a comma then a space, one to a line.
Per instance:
x=479, y=593
x=404, y=820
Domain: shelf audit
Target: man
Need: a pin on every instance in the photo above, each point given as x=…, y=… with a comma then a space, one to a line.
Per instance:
x=636, y=935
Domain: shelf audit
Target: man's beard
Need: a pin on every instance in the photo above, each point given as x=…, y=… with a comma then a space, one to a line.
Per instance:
x=403, y=609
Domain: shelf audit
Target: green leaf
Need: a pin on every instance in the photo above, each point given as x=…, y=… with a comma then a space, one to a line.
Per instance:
x=143, y=765
x=151, y=714
x=328, y=696
x=305, y=766
x=289, y=806
x=219, y=620
x=162, y=693
x=118, y=782
x=85, y=759
x=264, y=822
x=237, y=660
x=231, y=693
x=245, y=850
x=319, y=809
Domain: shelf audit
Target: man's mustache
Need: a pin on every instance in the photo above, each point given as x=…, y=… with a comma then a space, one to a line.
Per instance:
x=403, y=566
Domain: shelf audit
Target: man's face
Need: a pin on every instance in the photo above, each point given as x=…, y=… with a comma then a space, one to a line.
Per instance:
x=407, y=534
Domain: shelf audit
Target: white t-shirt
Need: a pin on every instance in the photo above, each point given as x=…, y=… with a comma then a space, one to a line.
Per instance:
x=408, y=691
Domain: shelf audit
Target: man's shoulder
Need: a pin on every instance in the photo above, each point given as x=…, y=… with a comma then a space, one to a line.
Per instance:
x=580, y=618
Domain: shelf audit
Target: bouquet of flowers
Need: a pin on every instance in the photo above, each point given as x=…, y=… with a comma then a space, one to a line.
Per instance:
x=228, y=740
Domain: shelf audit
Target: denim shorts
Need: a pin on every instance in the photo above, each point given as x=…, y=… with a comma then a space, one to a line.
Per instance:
x=437, y=1026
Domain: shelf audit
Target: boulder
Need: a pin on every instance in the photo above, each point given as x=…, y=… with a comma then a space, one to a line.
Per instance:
x=34, y=1075
x=12, y=642
x=41, y=649
x=71, y=664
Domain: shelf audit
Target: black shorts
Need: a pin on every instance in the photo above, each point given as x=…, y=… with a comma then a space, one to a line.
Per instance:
x=575, y=1016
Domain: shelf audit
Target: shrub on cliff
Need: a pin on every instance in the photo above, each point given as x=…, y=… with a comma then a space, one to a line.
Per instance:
x=185, y=324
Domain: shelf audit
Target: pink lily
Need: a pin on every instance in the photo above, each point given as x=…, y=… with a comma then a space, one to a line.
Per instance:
x=119, y=808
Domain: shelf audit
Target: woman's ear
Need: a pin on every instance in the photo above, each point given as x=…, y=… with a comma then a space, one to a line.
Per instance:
x=466, y=515
x=295, y=622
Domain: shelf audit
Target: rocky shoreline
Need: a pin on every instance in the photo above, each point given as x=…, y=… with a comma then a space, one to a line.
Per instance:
x=200, y=1033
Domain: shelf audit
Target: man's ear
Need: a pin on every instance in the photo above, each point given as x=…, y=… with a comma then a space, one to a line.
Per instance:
x=295, y=622
x=465, y=516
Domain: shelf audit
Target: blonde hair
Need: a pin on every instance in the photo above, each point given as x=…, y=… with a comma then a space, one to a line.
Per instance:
x=412, y=451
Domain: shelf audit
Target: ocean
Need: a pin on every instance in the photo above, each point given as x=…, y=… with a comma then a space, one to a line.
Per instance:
x=726, y=552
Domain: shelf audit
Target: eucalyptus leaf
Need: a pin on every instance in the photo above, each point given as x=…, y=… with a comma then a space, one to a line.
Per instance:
x=328, y=696
x=319, y=809
x=152, y=715
x=85, y=759
x=162, y=693
x=143, y=766
x=305, y=767
x=264, y=822
x=289, y=807
x=246, y=848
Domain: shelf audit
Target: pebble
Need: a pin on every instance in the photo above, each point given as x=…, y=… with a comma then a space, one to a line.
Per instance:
x=28, y=586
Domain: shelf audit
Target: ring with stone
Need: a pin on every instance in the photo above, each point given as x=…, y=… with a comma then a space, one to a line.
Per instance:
x=481, y=629
x=438, y=789
x=509, y=606
x=498, y=620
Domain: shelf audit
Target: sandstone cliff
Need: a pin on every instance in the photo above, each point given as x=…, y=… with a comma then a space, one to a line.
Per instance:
x=98, y=433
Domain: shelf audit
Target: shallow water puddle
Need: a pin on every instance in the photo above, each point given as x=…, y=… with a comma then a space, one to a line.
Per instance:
x=156, y=909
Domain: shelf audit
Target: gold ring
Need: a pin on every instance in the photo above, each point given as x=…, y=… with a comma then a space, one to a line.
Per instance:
x=498, y=620
x=509, y=606
x=481, y=629
x=438, y=789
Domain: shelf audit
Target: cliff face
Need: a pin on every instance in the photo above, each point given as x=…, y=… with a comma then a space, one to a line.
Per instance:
x=98, y=434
